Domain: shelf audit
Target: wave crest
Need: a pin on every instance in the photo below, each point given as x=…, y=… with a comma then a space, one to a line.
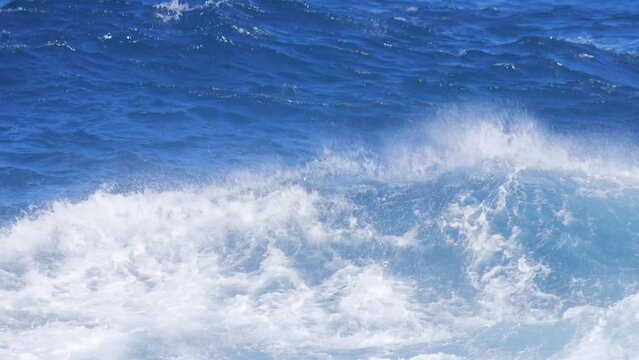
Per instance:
x=461, y=230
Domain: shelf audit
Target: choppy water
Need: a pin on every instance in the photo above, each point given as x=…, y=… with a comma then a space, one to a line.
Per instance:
x=323, y=180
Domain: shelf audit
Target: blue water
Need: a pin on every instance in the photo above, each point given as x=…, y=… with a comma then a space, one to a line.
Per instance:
x=326, y=180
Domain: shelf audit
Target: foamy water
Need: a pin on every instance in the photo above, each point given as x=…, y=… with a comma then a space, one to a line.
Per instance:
x=251, y=179
x=463, y=247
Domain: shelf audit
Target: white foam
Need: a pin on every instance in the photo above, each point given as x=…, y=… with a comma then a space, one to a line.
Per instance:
x=174, y=9
x=437, y=356
x=604, y=333
x=221, y=266
x=482, y=138
x=114, y=270
x=519, y=140
x=258, y=263
x=499, y=268
x=617, y=47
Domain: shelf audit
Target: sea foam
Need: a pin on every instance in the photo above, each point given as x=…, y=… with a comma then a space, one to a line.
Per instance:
x=426, y=249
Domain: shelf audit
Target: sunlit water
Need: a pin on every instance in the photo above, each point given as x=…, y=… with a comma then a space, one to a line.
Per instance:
x=322, y=180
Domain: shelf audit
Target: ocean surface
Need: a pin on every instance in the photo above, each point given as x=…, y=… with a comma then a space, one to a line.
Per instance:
x=333, y=179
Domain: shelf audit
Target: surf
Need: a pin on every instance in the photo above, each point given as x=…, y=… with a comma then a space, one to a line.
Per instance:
x=478, y=234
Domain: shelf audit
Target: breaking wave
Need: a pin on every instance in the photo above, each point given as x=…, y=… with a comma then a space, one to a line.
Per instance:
x=486, y=239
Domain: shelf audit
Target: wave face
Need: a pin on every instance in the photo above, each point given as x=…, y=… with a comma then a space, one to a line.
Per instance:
x=473, y=246
x=327, y=180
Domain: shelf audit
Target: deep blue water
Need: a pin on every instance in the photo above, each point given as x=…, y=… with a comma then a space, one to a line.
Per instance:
x=327, y=179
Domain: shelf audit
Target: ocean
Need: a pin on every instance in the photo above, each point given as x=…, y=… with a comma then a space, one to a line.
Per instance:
x=280, y=179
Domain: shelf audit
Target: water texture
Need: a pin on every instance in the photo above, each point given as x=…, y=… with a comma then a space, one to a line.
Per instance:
x=438, y=180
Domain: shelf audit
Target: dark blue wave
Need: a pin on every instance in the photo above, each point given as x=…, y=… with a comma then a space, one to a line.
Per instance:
x=131, y=73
